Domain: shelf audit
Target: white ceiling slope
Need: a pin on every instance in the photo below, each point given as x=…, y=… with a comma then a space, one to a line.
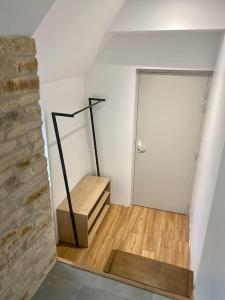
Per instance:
x=196, y=50
x=148, y=15
x=70, y=36
x=22, y=17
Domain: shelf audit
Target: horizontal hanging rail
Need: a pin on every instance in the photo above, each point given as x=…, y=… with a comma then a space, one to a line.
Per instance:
x=79, y=111
x=57, y=114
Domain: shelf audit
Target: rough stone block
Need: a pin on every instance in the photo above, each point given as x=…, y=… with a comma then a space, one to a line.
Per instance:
x=32, y=238
x=2, y=135
x=37, y=194
x=10, y=121
x=18, y=66
x=3, y=193
x=38, y=145
x=15, y=253
x=17, y=86
x=8, y=238
x=12, y=183
x=3, y=265
x=6, y=175
x=47, y=237
x=7, y=294
x=14, y=157
x=8, y=118
x=47, y=261
x=26, y=162
x=23, y=128
x=23, y=170
x=25, y=65
x=9, y=219
x=24, y=194
x=30, y=137
x=32, y=112
x=22, y=46
x=39, y=166
x=25, y=230
x=9, y=104
x=29, y=99
x=19, y=286
x=7, y=147
x=4, y=47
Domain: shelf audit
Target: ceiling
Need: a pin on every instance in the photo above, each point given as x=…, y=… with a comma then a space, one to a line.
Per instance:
x=22, y=17
x=71, y=35
x=152, y=15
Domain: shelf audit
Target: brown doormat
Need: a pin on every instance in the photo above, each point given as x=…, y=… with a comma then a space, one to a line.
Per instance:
x=143, y=270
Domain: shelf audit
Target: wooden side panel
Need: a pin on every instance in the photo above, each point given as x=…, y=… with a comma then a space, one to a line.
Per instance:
x=82, y=229
x=64, y=226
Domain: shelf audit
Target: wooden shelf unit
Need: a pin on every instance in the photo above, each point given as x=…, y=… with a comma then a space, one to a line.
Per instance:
x=90, y=200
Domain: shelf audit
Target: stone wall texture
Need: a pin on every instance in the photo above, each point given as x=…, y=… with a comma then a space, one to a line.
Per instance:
x=27, y=243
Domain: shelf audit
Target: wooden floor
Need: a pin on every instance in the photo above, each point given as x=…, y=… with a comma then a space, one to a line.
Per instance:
x=147, y=232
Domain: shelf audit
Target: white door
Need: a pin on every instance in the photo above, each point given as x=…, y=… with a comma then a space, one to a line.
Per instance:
x=169, y=120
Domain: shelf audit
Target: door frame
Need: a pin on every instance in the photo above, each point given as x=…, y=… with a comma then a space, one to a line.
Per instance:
x=140, y=71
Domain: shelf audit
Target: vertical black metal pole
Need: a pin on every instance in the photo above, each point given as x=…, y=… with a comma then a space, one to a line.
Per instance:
x=94, y=138
x=65, y=178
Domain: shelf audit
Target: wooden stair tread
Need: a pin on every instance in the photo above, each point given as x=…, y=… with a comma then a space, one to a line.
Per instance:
x=85, y=193
x=160, y=275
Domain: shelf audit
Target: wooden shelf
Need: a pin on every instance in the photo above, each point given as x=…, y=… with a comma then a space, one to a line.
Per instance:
x=90, y=199
x=98, y=208
x=98, y=223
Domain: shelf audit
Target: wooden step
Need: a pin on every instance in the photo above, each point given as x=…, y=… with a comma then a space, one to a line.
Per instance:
x=166, y=277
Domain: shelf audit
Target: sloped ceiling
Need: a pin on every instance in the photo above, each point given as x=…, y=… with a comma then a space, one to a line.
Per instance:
x=150, y=15
x=70, y=36
x=163, y=49
x=22, y=17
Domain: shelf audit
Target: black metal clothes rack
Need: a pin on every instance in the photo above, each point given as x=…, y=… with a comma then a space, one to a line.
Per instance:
x=56, y=114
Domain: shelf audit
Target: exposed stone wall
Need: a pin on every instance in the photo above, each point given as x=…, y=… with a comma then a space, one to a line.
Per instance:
x=27, y=245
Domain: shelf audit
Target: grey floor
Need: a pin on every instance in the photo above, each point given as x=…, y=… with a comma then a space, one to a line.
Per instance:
x=67, y=283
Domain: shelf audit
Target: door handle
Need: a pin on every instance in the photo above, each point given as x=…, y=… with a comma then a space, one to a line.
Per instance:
x=140, y=147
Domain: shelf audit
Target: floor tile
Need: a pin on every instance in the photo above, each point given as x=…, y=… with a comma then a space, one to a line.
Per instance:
x=87, y=293
x=65, y=282
x=55, y=288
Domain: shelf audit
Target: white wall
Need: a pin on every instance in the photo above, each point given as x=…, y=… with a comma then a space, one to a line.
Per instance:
x=114, y=122
x=211, y=279
x=188, y=50
x=209, y=161
x=109, y=77
x=69, y=37
x=118, y=82
x=67, y=42
x=144, y=15
x=67, y=96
